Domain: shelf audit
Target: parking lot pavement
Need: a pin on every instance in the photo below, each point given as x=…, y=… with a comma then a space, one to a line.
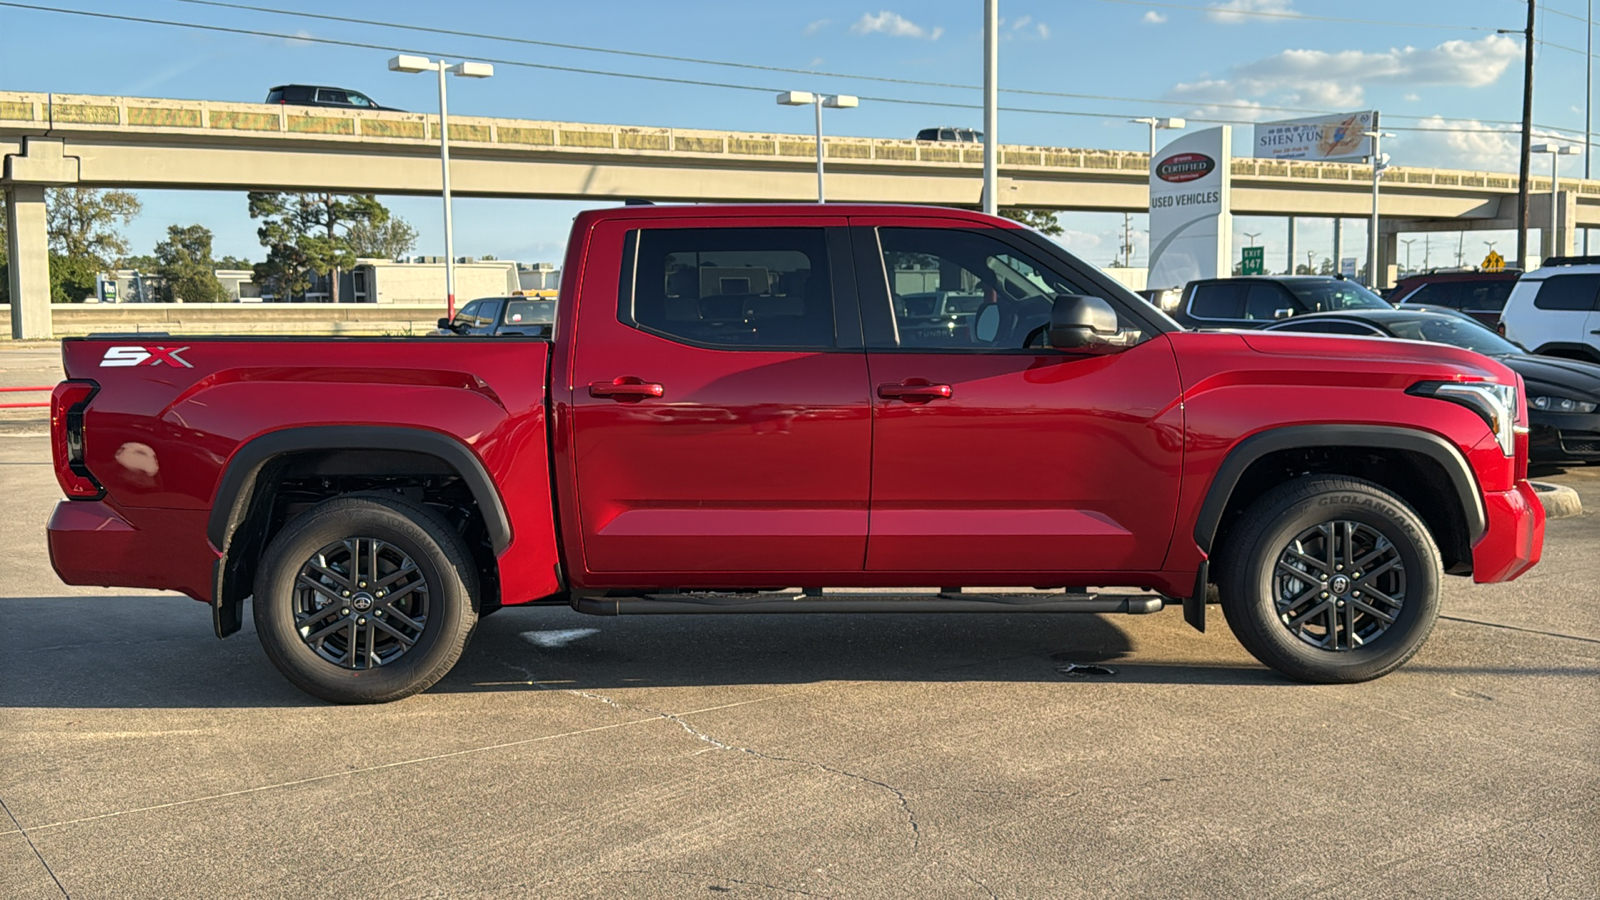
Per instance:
x=868, y=756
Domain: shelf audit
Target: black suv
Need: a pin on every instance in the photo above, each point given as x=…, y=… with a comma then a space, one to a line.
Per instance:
x=1255, y=301
x=1481, y=295
x=313, y=95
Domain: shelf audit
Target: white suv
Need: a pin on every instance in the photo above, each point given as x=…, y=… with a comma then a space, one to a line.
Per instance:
x=1555, y=310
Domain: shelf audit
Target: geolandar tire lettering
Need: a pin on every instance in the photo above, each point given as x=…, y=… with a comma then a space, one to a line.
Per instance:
x=1330, y=579
x=365, y=599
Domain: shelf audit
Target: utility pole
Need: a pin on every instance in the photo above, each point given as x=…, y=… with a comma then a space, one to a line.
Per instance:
x=1127, y=240
x=991, y=102
x=1408, y=242
x=1527, y=138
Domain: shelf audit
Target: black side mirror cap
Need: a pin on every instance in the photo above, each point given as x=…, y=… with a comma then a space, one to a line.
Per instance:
x=444, y=324
x=1079, y=322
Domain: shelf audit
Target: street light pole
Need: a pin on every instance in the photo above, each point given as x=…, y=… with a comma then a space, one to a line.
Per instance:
x=818, y=101
x=1556, y=151
x=414, y=64
x=1252, y=235
x=1159, y=123
x=1379, y=163
x=991, y=104
x=1588, y=107
x=1408, y=242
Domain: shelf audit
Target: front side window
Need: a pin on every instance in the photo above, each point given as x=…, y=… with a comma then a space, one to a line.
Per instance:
x=330, y=96
x=1437, y=294
x=1488, y=296
x=956, y=289
x=1335, y=296
x=738, y=288
x=356, y=99
x=1267, y=302
x=1568, y=292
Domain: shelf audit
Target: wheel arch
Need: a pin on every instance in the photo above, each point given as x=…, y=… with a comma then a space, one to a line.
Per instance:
x=1570, y=350
x=241, y=502
x=1422, y=468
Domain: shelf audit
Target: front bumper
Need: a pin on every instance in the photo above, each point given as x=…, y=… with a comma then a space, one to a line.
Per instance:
x=1514, y=538
x=1563, y=437
x=94, y=543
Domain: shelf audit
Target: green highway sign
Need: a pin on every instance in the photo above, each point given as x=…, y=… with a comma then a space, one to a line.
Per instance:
x=1254, y=259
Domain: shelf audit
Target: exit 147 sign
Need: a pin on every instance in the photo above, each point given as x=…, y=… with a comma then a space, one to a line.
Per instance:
x=1254, y=261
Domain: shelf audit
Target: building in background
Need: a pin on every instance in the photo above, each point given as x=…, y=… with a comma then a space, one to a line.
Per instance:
x=540, y=276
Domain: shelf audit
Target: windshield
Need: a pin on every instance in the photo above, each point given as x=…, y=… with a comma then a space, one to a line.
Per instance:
x=1334, y=296
x=1455, y=332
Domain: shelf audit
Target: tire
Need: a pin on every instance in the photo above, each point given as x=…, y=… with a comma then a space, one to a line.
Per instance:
x=1306, y=527
x=350, y=644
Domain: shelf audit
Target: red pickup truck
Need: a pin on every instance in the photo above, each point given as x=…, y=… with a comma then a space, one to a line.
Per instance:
x=739, y=402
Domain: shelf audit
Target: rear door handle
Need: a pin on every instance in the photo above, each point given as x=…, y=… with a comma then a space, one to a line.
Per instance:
x=914, y=391
x=626, y=387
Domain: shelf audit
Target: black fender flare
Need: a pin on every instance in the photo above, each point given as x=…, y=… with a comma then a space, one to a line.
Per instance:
x=236, y=491
x=1293, y=437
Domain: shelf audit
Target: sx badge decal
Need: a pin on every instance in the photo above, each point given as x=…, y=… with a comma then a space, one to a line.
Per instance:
x=145, y=356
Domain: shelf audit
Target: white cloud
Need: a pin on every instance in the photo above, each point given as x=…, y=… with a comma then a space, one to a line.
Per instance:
x=815, y=27
x=1339, y=79
x=1042, y=30
x=1235, y=11
x=1412, y=97
x=894, y=25
x=1154, y=18
x=1021, y=23
x=1465, y=144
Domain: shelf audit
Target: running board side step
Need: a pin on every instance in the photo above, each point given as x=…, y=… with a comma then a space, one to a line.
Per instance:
x=673, y=604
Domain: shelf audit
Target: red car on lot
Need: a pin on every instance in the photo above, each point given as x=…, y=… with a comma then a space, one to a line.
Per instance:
x=737, y=400
x=1481, y=295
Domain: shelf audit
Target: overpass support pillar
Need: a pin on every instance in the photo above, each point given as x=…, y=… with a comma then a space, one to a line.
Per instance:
x=28, y=257
x=42, y=163
x=1388, y=252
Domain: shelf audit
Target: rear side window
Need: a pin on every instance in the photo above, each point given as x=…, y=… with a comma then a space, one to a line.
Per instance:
x=1568, y=292
x=1219, y=300
x=1487, y=296
x=739, y=288
x=275, y=96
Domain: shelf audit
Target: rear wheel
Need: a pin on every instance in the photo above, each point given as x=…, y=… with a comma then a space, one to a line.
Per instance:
x=365, y=599
x=1331, y=579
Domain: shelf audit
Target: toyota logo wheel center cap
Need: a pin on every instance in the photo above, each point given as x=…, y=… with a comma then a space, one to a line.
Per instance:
x=1338, y=585
x=362, y=601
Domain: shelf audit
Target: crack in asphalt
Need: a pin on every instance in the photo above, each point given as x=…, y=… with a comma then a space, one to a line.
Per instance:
x=1554, y=634
x=34, y=847
x=975, y=880
x=900, y=797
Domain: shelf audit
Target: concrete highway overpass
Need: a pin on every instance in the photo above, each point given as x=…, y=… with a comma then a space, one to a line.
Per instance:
x=124, y=142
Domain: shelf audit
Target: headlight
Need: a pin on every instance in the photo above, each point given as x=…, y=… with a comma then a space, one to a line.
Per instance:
x=1561, y=404
x=1496, y=404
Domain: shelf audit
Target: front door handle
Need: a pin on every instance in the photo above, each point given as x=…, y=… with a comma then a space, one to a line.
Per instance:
x=626, y=387
x=914, y=391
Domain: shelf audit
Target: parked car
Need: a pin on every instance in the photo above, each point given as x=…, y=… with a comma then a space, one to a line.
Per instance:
x=513, y=315
x=1555, y=309
x=728, y=405
x=1563, y=394
x=1481, y=295
x=947, y=133
x=1254, y=301
x=315, y=95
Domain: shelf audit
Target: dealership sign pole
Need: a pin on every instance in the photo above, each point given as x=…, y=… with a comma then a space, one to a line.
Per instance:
x=1191, y=229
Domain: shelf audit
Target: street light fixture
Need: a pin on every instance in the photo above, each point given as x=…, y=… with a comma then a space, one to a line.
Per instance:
x=1158, y=123
x=818, y=101
x=1556, y=151
x=1380, y=161
x=414, y=64
x=1252, y=235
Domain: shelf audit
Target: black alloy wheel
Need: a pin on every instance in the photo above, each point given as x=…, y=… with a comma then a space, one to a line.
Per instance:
x=365, y=598
x=1330, y=579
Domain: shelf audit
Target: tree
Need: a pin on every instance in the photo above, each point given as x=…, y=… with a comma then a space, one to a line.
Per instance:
x=1040, y=220
x=308, y=234
x=234, y=262
x=185, y=265
x=83, y=228
x=389, y=239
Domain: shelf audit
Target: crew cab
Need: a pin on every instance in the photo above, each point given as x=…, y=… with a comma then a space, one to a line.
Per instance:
x=745, y=410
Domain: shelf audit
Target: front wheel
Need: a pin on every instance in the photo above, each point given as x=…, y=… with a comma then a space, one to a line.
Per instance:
x=365, y=599
x=1330, y=579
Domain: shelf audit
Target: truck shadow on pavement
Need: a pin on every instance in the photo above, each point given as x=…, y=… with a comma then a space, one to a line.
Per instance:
x=158, y=652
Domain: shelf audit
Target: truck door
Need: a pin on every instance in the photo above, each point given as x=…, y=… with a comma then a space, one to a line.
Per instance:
x=720, y=414
x=992, y=452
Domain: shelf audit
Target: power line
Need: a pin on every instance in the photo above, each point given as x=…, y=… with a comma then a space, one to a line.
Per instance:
x=251, y=32
x=1299, y=16
x=752, y=66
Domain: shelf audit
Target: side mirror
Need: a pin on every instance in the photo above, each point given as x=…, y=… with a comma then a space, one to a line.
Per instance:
x=1282, y=313
x=1083, y=323
x=444, y=324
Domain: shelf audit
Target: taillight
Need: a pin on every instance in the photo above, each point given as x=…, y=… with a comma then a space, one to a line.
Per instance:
x=67, y=403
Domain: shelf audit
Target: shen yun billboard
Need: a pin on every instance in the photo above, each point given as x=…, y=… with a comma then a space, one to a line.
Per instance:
x=1319, y=138
x=1191, y=230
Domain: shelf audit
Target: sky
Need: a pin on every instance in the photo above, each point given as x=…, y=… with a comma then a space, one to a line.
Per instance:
x=1444, y=81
